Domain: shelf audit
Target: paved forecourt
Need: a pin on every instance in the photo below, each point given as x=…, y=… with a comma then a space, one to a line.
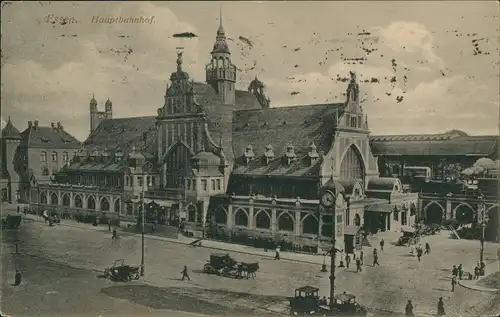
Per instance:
x=386, y=288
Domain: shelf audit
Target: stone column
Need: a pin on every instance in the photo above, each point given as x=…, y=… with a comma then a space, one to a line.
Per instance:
x=298, y=223
x=274, y=222
x=449, y=211
x=251, y=215
x=230, y=216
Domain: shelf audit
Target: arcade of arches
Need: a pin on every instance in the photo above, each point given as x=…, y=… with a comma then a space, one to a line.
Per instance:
x=292, y=221
x=80, y=202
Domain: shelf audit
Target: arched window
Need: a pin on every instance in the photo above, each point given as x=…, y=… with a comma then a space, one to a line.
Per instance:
x=178, y=164
x=78, y=201
x=45, y=171
x=5, y=194
x=285, y=222
x=262, y=220
x=91, y=203
x=413, y=210
x=241, y=218
x=191, y=213
x=104, y=204
x=310, y=225
x=54, y=156
x=43, y=156
x=65, y=157
x=43, y=198
x=464, y=214
x=351, y=167
x=220, y=215
x=66, y=200
x=357, y=220
x=54, y=200
x=117, y=205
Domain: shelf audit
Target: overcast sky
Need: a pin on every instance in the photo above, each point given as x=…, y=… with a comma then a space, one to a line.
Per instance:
x=443, y=55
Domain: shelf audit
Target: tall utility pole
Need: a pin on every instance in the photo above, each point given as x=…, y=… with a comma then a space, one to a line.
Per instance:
x=333, y=256
x=146, y=167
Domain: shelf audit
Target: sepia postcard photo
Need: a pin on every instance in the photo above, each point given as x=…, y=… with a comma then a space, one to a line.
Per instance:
x=250, y=158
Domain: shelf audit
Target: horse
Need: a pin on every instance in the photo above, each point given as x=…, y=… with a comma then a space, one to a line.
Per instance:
x=249, y=269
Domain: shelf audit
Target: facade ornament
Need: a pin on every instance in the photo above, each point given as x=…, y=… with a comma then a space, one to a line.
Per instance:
x=179, y=61
x=290, y=154
x=249, y=155
x=352, y=89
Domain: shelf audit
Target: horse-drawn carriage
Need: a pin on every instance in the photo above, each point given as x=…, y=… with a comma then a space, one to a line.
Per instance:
x=121, y=272
x=307, y=302
x=225, y=265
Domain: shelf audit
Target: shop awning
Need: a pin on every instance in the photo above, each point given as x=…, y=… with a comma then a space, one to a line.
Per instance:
x=386, y=208
x=161, y=203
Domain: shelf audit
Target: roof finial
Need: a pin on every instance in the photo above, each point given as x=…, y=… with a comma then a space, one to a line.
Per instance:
x=179, y=61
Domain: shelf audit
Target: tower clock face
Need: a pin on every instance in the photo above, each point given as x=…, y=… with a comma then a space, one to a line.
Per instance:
x=327, y=199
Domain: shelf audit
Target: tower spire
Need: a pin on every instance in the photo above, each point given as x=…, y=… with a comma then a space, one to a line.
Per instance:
x=221, y=28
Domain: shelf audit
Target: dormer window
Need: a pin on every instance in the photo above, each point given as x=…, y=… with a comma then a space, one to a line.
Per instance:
x=268, y=154
x=290, y=154
x=249, y=155
x=313, y=154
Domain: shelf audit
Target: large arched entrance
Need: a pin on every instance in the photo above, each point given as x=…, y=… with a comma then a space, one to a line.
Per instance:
x=491, y=232
x=177, y=165
x=464, y=214
x=434, y=213
x=351, y=166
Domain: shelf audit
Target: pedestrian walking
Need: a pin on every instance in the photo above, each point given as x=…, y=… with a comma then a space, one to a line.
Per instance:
x=17, y=278
x=382, y=243
x=441, y=311
x=109, y=224
x=409, y=309
x=419, y=254
x=347, y=260
x=114, y=236
x=277, y=254
x=454, y=271
x=361, y=256
x=358, y=265
x=460, y=271
x=453, y=283
x=427, y=248
x=153, y=227
x=476, y=272
x=185, y=273
x=375, y=259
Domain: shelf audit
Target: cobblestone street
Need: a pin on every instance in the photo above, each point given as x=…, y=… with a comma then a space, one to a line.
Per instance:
x=382, y=289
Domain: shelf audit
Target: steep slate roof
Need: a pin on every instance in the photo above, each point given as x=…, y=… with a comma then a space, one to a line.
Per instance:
x=220, y=116
x=49, y=137
x=459, y=145
x=10, y=131
x=283, y=126
x=299, y=167
x=123, y=134
x=420, y=137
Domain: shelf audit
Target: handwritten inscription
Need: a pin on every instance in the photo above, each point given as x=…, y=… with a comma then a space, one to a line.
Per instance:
x=123, y=20
x=57, y=19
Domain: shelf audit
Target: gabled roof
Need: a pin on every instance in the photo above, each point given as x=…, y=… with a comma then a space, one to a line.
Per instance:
x=123, y=133
x=458, y=145
x=420, y=137
x=10, y=131
x=283, y=126
x=49, y=137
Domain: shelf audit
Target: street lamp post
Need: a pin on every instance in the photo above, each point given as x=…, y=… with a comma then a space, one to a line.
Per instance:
x=146, y=167
x=482, y=223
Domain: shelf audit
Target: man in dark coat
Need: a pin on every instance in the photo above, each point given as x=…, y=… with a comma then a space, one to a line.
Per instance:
x=17, y=278
x=382, y=243
x=441, y=311
x=427, y=248
x=409, y=309
x=358, y=265
x=114, y=236
x=185, y=273
x=347, y=260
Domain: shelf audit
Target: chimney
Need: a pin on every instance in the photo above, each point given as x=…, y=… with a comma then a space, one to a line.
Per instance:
x=36, y=124
x=59, y=126
x=53, y=125
x=30, y=124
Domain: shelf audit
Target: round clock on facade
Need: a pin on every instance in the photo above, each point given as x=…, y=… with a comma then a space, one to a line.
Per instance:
x=327, y=199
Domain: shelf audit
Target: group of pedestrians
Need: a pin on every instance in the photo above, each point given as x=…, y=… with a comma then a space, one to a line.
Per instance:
x=420, y=251
x=440, y=308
